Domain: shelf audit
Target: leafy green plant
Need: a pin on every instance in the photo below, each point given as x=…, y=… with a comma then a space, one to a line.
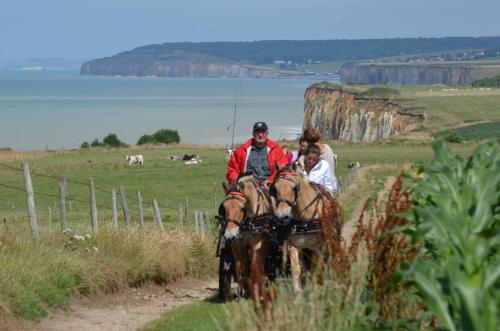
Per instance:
x=457, y=218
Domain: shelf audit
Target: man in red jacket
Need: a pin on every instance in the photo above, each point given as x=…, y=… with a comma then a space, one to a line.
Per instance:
x=257, y=155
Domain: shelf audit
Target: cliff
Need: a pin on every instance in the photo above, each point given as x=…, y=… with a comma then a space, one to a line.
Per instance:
x=178, y=69
x=350, y=115
x=411, y=74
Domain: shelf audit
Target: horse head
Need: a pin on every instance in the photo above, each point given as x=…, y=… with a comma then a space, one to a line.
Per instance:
x=232, y=210
x=286, y=190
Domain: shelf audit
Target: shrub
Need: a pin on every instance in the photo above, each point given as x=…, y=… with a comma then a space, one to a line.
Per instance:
x=454, y=137
x=85, y=145
x=487, y=82
x=145, y=139
x=162, y=136
x=111, y=140
x=166, y=136
x=95, y=143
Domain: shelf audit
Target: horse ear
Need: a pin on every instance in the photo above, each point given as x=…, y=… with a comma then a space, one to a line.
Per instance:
x=294, y=166
x=277, y=167
x=225, y=187
x=241, y=186
x=300, y=173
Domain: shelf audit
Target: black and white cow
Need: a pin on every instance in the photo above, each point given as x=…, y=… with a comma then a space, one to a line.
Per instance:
x=135, y=159
x=190, y=157
x=354, y=166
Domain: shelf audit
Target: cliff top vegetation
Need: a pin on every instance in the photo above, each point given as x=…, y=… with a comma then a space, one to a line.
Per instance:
x=359, y=90
x=301, y=51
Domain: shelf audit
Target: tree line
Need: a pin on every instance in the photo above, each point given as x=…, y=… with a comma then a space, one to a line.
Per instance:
x=162, y=136
x=298, y=51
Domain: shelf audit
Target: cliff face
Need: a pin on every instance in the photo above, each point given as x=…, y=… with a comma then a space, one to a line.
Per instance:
x=406, y=74
x=345, y=116
x=177, y=69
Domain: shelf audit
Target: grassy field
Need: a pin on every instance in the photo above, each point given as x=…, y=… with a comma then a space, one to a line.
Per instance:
x=168, y=181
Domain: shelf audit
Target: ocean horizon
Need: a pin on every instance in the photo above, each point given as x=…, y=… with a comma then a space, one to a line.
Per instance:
x=42, y=110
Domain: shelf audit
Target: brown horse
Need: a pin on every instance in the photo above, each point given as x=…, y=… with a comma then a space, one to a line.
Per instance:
x=245, y=211
x=299, y=202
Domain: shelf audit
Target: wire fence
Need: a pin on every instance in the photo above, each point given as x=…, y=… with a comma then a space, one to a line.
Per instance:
x=182, y=210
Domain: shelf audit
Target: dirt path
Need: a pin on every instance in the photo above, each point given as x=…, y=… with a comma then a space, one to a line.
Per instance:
x=127, y=310
x=350, y=227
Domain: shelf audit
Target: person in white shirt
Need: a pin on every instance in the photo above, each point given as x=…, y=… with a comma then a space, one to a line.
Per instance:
x=317, y=170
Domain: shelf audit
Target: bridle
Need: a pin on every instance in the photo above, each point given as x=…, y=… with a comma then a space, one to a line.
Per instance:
x=292, y=177
x=235, y=195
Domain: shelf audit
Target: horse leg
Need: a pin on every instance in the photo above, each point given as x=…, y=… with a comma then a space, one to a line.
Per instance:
x=295, y=264
x=284, y=257
x=241, y=261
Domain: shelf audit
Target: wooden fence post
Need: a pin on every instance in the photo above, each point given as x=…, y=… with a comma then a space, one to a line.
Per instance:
x=202, y=224
x=114, y=210
x=125, y=208
x=93, y=207
x=141, y=214
x=215, y=195
x=157, y=214
x=196, y=222
x=179, y=214
x=50, y=220
x=62, y=202
x=30, y=197
x=186, y=212
x=208, y=226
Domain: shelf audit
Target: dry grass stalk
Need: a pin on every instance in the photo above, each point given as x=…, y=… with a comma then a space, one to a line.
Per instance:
x=387, y=248
x=263, y=297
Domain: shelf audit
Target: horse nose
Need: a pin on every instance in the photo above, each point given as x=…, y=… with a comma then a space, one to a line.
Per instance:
x=232, y=234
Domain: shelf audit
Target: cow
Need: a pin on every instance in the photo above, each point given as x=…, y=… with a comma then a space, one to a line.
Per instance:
x=190, y=157
x=229, y=153
x=173, y=158
x=354, y=166
x=135, y=159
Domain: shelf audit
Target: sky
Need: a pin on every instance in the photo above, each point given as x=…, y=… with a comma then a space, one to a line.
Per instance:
x=98, y=28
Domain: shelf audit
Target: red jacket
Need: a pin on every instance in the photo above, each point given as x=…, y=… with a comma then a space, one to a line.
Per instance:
x=238, y=163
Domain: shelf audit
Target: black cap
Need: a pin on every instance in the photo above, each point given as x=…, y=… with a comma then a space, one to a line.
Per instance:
x=260, y=126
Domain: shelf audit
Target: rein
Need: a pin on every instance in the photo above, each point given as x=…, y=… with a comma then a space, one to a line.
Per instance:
x=259, y=218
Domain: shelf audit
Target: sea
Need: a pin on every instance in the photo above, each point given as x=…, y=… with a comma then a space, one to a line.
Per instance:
x=47, y=110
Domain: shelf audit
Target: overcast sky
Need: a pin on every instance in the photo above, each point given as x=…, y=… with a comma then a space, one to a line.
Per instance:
x=96, y=28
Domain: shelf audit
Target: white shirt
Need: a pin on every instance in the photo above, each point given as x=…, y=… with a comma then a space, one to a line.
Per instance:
x=322, y=174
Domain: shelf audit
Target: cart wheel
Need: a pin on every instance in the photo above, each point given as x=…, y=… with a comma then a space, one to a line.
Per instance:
x=226, y=271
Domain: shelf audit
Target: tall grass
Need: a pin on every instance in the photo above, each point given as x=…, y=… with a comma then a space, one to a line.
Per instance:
x=38, y=275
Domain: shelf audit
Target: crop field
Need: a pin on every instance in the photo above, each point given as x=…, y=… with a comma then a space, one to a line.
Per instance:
x=481, y=131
